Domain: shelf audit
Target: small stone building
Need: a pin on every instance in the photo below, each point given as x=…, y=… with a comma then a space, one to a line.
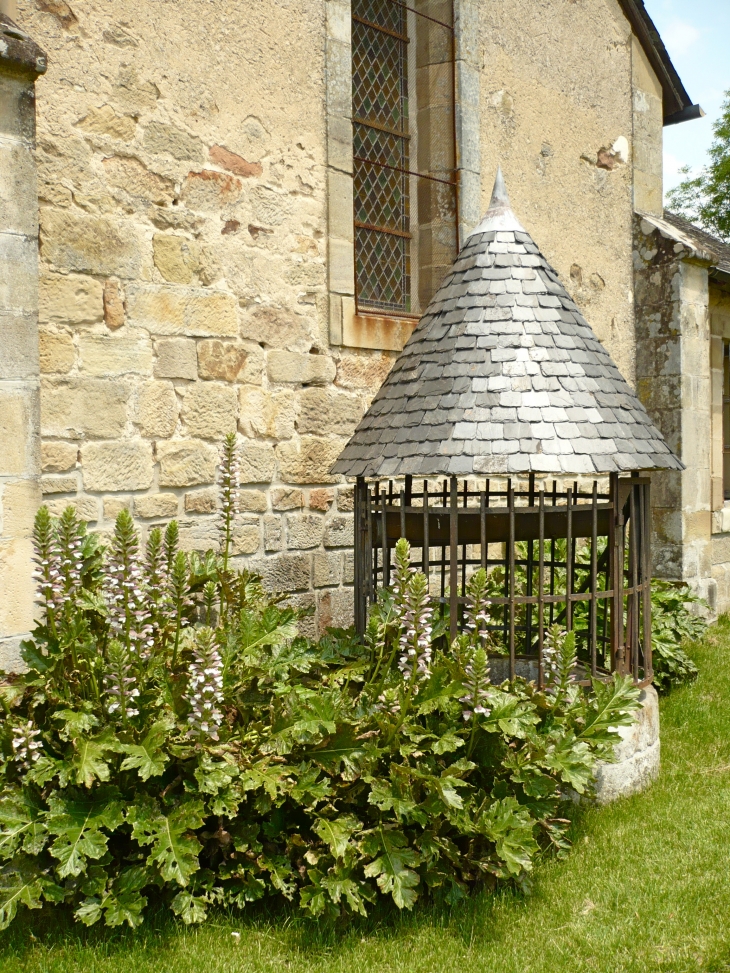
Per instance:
x=219, y=217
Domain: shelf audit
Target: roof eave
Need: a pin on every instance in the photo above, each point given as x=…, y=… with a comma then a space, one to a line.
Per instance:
x=678, y=106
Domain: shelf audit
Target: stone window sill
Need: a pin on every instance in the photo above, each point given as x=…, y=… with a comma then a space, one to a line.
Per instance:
x=721, y=519
x=376, y=332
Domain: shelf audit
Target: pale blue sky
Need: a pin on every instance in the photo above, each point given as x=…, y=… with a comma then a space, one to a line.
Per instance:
x=697, y=35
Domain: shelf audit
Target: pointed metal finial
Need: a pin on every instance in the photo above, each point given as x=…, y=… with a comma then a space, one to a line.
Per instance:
x=499, y=216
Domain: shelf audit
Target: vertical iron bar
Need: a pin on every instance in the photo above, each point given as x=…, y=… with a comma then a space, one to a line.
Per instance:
x=634, y=582
x=541, y=594
x=453, y=559
x=569, y=562
x=403, y=513
x=463, y=546
x=617, y=580
x=593, y=624
x=646, y=578
x=360, y=548
x=511, y=595
x=426, y=565
x=443, y=548
x=483, y=529
x=384, y=539
x=530, y=570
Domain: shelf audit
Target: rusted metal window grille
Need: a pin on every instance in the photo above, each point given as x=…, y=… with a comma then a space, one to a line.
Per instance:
x=726, y=420
x=405, y=180
x=563, y=555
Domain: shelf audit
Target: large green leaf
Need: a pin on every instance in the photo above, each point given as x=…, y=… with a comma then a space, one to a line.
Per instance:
x=22, y=823
x=147, y=757
x=341, y=752
x=509, y=825
x=190, y=908
x=393, y=866
x=174, y=850
x=89, y=762
x=337, y=832
x=23, y=883
x=77, y=821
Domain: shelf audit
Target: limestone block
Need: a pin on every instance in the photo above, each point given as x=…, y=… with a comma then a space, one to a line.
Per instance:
x=90, y=244
x=246, y=537
x=113, y=305
x=18, y=600
x=56, y=352
x=339, y=532
x=19, y=359
x=173, y=310
x=303, y=531
x=348, y=571
x=252, y=501
x=637, y=755
x=135, y=178
x=199, y=535
x=285, y=571
x=321, y=499
x=202, y=501
x=210, y=191
x=257, y=462
x=157, y=409
x=113, y=506
x=156, y=505
x=19, y=454
x=325, y=411
x=176, y=358
x=107, y=355
x=278, y=328
x=79, y=407
x=58, y=457
x=364, y=372
x=186, y=462
x=163, y=139
x=105, y=121
x=222, y=360
x=270, y=415
x=117, y=466
x=18, y=193
x=174, y=257
x=18, y=282
x=234, y=163
x=294, y=368
x=327, y=569
x=335, y=608
x=308, y=459
x=346, y=499
x=59, y=484
x=210, y=410
x=19, y=501
x=87, y=508
x=273, y=533
x=17, y=107
x=286, y=499
x=69, y=299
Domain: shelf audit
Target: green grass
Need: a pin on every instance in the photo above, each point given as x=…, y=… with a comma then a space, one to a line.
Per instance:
x=646, y=887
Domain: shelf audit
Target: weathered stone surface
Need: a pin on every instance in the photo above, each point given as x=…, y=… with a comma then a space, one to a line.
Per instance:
x=234, y=163
x=135, y=178
x=176, y=358
x=345, y=499
x=87, y=508
x=57, y=352
x=105, y=121
x=117, y=466
x=113, y=506
x=113, y=305
x=286, y=499
x=202, y=501
x=163, y=139
x=246, y=538
x=321, y=499
x=222, y=360
x=58, y=457
x=94, y=245
x=19, y=455
x=186, y=462
x=303, y=531
x=339, y=532
x=327, y=569
x=59, y=484
x=210, y=190
x=174, y=257
x=173, y=310
x=270, y=415
x=323, y=412
x=291, y=367
x=104, y=355
x=361, y=372
x=257, y=462
x=308, y=459
x=252, y=501
x=199, y=535
x=285, y=572
x=157, y=409
x=210, y=411
x=69, y=299
x=348, y=569
x=273, y=533
x=637, y=755
x=79, y=407
x=20, y=357
x=335, y=608
x=278, y=328
x=157, y=505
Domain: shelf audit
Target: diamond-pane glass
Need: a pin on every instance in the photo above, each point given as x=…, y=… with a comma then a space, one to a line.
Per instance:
x=382, y=265
x=379, y=90
x=384, y=13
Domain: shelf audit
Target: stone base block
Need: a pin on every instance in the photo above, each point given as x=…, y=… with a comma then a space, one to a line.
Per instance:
x=637, y=755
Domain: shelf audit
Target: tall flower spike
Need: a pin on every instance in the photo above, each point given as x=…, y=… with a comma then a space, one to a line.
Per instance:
x=124, y=588
x=476, y=615
x=172, y=538
x=120, y=683
x=26, y=745
x=48, y=566
x=230, y=481
x=402, y=572
x=416, y=629
x=69, y=545
x=205, y=689
x=476, y=683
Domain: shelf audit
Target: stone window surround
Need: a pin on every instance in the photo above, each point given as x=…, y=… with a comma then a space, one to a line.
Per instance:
x=719, y=337
x=386, y=333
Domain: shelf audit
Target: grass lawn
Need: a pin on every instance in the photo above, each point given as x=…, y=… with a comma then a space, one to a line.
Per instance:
x=646, y=887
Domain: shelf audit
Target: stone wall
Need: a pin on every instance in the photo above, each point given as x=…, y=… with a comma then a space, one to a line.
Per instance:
x=719, y=309
x=190, y=164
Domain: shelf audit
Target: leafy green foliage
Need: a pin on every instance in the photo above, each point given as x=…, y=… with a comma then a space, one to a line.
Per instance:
x=174, y=738
x=705, y=199
x=674, y=622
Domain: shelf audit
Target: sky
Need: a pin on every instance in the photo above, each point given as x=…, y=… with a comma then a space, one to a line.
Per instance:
x=697, y=35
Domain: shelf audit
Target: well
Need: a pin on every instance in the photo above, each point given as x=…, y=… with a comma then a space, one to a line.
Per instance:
x=502, y=384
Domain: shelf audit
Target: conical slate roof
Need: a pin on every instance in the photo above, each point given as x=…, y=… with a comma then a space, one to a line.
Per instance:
x=503, y=375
